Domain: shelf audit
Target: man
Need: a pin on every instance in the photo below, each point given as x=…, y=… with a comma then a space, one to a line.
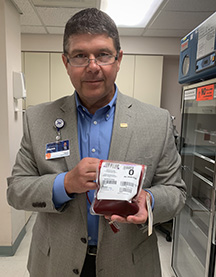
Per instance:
x=99, y=123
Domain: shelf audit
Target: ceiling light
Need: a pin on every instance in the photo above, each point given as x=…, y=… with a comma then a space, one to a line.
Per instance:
x=67, y=3
x=128, y=13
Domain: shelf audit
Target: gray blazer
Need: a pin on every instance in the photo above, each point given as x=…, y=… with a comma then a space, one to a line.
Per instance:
x=59, y=240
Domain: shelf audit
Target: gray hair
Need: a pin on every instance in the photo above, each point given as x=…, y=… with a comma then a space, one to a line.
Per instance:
x=91, y=21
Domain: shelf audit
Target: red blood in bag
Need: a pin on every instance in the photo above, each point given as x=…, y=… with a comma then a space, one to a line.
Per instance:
x=118, y=207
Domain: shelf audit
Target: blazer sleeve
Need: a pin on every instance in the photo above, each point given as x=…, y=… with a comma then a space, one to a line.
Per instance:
x=167, y=186
x=28, y=189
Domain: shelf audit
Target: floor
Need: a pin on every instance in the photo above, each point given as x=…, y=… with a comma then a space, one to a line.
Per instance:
x=16, y=266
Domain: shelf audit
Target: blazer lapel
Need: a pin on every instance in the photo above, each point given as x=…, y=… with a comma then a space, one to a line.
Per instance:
x=122, y=129
x=70, y=131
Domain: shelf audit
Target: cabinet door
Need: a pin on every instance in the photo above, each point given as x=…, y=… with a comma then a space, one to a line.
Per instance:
x=125, y=77
x=148, y=79
x=59, y=80
x=47, y=79
x=37, y=78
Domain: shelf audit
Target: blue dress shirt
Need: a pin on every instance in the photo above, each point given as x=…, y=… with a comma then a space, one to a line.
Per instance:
x=94, y=136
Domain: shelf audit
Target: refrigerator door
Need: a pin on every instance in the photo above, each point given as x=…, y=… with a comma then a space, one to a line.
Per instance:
x=212, y=255
x=193, y=228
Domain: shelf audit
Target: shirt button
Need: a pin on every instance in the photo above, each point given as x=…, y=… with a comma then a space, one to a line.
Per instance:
x=76, y=271
x=84, y=240
x=93, y=150
x=95, y=122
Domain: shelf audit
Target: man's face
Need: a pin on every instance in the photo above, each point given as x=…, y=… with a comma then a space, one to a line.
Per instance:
x=93, y=83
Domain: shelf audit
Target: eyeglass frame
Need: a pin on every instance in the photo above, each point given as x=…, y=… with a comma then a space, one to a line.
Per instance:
x=95, y=60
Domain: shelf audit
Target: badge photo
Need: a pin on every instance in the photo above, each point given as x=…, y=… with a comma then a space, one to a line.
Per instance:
x=57, y=149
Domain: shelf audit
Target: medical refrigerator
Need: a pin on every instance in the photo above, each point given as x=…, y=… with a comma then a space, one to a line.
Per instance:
x=193, y=249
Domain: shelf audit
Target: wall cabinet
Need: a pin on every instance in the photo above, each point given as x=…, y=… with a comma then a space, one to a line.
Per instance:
x=125, y=77
x=60, y=84
x=36, y=67
x=148, y=79
x=47, y=80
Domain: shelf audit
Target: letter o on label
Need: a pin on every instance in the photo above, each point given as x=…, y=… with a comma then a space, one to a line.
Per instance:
x=131, y=172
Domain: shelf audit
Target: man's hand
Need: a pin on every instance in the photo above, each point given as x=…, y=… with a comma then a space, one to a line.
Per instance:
x=82, y=177
x=138, y=218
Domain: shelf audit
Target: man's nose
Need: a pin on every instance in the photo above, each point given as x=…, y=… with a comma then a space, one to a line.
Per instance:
x=92, y=64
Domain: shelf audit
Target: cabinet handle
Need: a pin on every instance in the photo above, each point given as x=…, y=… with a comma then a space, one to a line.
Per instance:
x=209, y=169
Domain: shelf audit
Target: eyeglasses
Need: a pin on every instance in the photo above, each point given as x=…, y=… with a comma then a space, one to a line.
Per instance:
x=100, y=60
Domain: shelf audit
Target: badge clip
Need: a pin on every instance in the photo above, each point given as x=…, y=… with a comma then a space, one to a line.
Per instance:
x=59, y=124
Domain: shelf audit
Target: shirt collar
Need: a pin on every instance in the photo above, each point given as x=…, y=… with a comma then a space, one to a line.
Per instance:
x=104, y=109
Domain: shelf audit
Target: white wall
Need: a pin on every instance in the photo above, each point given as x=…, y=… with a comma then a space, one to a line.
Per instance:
x=129, y=45
x=167, y=47
x=150, y=46
x=11, y=220
x=5, y=219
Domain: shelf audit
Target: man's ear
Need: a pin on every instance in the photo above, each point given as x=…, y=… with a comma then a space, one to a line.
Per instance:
x=120, y=55
x=65, y=62
x=64, y=59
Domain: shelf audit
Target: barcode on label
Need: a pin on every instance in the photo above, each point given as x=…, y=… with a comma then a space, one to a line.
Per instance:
x=128, y=190
x=109, y=182
x=127, y=184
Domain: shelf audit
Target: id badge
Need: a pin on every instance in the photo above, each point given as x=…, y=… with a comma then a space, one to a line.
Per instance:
x=59, y=149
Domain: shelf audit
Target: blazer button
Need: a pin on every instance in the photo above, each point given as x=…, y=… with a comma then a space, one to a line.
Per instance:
x=76, y=271
x=84, y=240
